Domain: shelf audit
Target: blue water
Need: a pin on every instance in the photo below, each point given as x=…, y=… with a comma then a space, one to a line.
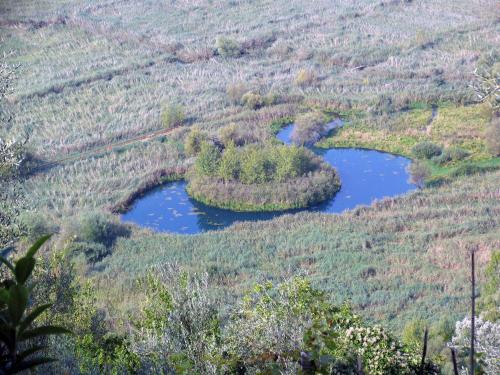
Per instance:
x=365, y=175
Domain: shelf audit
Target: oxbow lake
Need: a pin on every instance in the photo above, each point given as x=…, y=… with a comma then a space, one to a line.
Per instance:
x=366, y=175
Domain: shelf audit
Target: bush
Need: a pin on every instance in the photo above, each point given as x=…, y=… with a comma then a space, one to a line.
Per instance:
x=194, y=140
x=451, y=154
x=172, y=116
x=208, y=160
x=96, y=227
x=419, y=172
x=426, y=150
x=228, y=47
x=92, y=251
x=236, y=91
x=252, y=100
x=309, y=128
x=305, y=78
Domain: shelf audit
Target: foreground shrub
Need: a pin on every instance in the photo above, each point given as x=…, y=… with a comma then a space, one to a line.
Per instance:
x=228, y=47
x=487, y=340
x=172, y=116
x=309, y=128
x=289, y=328
x=293, y=326
x=180, y=327
x=426, y=150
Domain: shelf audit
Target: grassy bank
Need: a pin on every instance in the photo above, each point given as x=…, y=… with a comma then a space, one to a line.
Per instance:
x=446, y=125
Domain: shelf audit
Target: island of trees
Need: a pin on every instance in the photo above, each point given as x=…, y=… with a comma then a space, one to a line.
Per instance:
x=260, y=177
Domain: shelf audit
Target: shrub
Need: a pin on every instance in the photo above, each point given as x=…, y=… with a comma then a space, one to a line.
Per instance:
x=35, y=226
x=272, y=98
x=305, y=78
x=236, y=91
x=208, y=159
x=309, y=128
x=451, y=154
x=492, y=137
x=172, y=116
x=194, y=140
x=92, y=251
x=426, y=150
x=228, y=47
x=419, y=172
x=252, y=100
x=99, y=228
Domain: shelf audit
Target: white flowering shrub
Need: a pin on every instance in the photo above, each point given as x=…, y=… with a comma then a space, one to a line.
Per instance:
x=487, y=343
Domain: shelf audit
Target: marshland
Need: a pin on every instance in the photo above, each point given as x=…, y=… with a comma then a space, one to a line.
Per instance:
x=251, y=186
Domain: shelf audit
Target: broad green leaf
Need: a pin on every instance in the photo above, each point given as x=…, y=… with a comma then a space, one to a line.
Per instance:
x=4, y=295
x=33, y=249
x=23, y=269
x=43, y=331
x=18, y=300
x=32, y=316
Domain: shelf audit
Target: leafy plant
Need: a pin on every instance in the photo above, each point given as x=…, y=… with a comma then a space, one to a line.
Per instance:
x=426, y=150
x=18, y=347
x=173, y=115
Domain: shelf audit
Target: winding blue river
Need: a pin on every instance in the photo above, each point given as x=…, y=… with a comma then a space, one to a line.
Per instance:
x=365, y=175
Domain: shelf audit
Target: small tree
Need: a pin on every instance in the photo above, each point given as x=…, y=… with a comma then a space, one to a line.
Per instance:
x=419, y=172
x=208, y=160
x=194, y=140
x=173, y=116
x=17, y=335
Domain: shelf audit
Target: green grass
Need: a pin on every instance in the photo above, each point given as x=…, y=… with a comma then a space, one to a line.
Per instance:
x=453, y=126
x=416, y=245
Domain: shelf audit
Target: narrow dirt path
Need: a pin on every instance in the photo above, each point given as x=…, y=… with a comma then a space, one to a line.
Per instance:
x=102, y=149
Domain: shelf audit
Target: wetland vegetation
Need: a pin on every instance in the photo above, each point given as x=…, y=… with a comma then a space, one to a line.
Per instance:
x=102, y=102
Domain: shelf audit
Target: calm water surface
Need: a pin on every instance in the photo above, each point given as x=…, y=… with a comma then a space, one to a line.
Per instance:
x=366, y=175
